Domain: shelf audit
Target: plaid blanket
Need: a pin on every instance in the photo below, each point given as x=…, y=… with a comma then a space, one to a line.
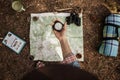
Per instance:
x=109, y=47
x=113, y=19
x=111, y=32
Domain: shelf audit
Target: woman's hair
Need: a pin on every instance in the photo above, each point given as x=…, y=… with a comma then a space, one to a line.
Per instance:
x=35, y=75
x=59, y=72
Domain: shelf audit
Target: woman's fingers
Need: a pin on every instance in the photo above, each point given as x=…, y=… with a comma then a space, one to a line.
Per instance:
x=65, y=25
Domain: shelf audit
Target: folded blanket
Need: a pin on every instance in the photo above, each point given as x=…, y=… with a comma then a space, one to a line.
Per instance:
x=111, y=32
x=113, y=19
x=109, y=47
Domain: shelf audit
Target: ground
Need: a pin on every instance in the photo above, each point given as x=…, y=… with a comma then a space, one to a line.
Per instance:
x=13, y=66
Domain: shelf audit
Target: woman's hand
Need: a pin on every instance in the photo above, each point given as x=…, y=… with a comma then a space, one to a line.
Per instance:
x=62, y=34
x=63, y=41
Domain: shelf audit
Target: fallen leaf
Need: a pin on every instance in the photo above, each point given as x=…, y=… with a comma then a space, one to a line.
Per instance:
x=1, y=38
x=0, y=45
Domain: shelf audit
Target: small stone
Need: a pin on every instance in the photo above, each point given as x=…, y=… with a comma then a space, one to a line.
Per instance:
x=78, y=55
x=31, y=57
x=118, y=68
x=0, y=45
x=38, y=4
x=35, y=18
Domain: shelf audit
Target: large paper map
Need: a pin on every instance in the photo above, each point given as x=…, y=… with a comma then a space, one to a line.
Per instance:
x=43, y=43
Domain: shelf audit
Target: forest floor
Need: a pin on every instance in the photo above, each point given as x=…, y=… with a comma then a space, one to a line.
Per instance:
x=13, y=66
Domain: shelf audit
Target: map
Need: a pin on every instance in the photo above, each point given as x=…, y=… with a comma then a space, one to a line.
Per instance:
x=43, y=43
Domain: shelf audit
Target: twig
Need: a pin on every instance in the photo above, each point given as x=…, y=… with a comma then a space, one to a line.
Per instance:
x=64, y=9
x=1, y=38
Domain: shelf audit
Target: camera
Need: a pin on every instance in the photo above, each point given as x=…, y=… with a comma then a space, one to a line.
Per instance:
x=73, y=18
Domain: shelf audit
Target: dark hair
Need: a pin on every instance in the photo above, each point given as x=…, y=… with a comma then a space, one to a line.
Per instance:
x=35, y=75
x=59, y=72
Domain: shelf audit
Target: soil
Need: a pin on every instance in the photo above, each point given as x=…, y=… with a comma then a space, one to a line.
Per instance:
x=13, y=66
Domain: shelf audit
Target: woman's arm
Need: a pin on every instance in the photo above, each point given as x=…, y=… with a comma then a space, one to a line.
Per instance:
x=61, y=36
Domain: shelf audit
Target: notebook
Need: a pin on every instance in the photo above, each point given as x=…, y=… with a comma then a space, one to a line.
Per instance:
x=13, y=42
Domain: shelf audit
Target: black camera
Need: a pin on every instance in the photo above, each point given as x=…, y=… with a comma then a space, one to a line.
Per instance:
x=73, y=18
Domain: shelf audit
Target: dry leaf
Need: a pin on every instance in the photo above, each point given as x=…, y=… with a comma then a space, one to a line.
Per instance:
x=1, y=45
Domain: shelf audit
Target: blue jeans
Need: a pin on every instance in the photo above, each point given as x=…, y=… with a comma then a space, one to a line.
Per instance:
x=75, y=64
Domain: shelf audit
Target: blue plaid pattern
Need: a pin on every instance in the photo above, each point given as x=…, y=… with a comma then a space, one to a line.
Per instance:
x=109, y=46
x=109, y=31
x=119, y=32
x=113, y=19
